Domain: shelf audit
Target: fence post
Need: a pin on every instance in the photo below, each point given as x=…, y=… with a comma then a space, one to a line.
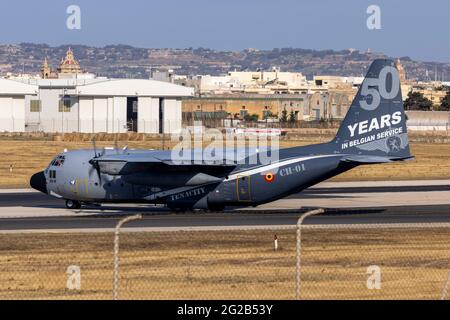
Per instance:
x=299, y=249
x=445, y=289
x=116, y=252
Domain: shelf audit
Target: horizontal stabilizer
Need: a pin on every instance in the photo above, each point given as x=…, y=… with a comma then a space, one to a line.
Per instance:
x=367, y=159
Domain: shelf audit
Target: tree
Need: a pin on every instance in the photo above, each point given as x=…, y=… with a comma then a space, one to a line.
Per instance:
x=267, y=114
x=292, y=118
x=251, y=117
x=417, y=101
x=284, y=116
x=445, y=105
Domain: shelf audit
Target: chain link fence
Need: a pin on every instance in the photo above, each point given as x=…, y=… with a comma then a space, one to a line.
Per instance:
x=56, y=266
x=375, y=261
x=337, y=262
x=70, y=125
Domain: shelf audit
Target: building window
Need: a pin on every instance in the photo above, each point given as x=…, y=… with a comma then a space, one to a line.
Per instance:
x=35, y=106
x=65, y=104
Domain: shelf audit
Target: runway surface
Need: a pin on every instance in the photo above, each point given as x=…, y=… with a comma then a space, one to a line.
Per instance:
x=345, y=203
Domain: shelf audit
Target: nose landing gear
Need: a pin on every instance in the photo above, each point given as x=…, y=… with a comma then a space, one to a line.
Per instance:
x=73, y=205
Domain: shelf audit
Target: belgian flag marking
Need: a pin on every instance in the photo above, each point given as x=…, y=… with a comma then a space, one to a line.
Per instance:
x=269, y=177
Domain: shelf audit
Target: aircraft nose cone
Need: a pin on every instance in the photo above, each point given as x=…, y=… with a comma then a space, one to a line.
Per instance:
x=38, y=182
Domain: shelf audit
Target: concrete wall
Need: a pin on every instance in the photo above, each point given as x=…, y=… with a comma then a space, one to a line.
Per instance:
x=50, y=119
x=172, y=115
x=101, y=114
x=12, y=114
x=86, y=114
x=148, y=115
x=117, y=114
x=428, y=120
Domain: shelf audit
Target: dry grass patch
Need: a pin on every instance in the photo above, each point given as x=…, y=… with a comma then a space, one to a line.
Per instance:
x=228, y=265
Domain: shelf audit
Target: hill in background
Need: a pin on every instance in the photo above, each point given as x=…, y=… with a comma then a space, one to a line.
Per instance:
x=122, y=61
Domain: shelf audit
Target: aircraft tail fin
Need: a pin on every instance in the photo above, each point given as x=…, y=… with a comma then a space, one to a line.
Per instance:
x=375, y=124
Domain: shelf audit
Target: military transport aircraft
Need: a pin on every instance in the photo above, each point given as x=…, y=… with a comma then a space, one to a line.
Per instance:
x=373, y=131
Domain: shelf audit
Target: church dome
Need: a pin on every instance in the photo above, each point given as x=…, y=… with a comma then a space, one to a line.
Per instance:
x=69, y=65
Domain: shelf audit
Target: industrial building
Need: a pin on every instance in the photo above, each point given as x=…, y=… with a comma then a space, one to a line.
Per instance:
x=69, y=100
x=332, y=104
x=90, y=106
x=12, y=104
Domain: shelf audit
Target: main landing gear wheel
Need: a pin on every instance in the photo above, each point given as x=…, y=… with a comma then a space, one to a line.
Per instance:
x=216, y=208
x=73, y=205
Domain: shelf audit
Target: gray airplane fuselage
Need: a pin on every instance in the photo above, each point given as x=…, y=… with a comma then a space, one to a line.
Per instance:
x=245, y=185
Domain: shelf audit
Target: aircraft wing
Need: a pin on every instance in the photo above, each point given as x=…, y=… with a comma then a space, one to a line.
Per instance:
x=125, y=164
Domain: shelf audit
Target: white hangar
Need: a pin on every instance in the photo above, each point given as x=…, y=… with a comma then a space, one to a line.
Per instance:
x=90, y=105
x=12, y=104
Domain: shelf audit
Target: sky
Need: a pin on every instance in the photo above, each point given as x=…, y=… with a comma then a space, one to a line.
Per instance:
x=418, y=29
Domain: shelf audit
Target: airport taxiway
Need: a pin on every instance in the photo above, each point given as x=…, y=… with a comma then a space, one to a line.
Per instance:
x=346, y=203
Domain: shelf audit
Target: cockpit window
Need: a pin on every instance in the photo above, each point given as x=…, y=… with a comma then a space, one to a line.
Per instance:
x=58, y=161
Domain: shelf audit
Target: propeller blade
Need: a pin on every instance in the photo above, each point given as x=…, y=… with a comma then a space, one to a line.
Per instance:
x=94, y=144
x=96, y=167
x=99, y=174
x=116, y=146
